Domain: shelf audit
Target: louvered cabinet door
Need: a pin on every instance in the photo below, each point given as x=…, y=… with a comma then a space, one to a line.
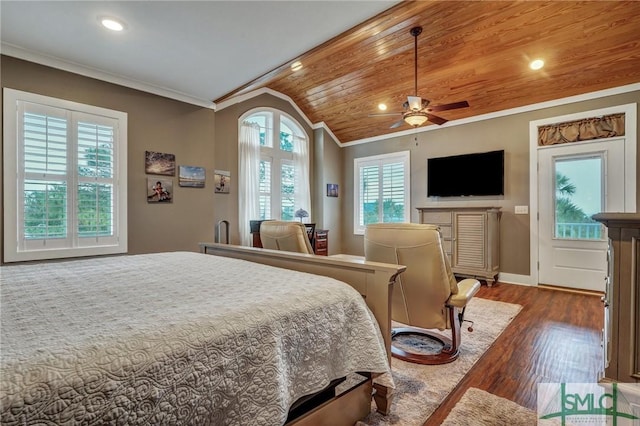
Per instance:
x=471, y=239
x=476, y=239
x=469, y=242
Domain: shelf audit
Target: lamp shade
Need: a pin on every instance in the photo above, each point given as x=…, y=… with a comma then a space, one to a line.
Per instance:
x=415, y=119
x=300, y=213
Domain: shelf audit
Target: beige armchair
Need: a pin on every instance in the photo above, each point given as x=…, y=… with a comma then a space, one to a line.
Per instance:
x=285, y=236
x=426, y=295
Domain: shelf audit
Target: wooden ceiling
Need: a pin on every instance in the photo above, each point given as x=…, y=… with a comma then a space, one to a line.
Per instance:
x=477, y=51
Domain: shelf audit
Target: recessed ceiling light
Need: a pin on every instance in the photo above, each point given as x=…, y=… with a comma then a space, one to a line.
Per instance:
x=382, y=107
x=296, y=66
x=536, y=64
x=111, y=24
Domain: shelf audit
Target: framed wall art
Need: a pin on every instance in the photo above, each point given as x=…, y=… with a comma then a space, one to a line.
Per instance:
x=332, y=190
x=191, y=176
x=159, y=190
x=222, y=181
x=159, y=163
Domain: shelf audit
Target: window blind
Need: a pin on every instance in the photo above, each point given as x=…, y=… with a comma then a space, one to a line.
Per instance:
x=95, y=190
x=381, y=189
x=63, y=165
x=265, y=190
x=43, y=210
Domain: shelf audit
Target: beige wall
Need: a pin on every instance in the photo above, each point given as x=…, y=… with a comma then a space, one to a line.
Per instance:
x=154, y=124
x=329, y=170
x=189, y=132
x=509, y=133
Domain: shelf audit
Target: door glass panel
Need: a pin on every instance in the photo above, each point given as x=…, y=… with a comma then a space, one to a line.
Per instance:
x=578, y=195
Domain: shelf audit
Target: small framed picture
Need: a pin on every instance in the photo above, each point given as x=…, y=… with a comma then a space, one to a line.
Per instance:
x=191, y=176
x=159, y=163
x=332, y=190
x=159, y=190
x=222, y=181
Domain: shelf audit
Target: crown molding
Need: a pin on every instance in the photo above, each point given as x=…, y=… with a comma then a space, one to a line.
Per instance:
x=504, y=113
x=261, y=91
x=17, y=52
x=50, y=61
x=519, y=110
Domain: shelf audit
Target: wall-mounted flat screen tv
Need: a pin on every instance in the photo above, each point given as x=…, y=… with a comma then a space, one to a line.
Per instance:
x=466, y=175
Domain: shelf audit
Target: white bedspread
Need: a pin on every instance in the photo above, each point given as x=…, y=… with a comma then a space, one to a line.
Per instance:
x=174, y=338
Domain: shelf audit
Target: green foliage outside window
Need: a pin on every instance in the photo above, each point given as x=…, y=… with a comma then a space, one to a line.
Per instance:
x=286, y=141
x=45, y=211
x=568, y=214
x=392, y=212
x=45, y=203
x=566, y=210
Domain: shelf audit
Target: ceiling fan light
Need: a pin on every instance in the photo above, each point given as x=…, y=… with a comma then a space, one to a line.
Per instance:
x=415, y=119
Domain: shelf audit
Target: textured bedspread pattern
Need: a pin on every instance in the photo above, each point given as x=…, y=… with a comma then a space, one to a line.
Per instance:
x=174, y=338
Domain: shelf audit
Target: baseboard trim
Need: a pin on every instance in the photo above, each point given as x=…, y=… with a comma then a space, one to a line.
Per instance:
x=527, y=280
x=570, y=290
x=515, y=279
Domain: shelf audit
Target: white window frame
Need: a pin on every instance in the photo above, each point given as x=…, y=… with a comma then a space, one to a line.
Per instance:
x=380, y=160
x=15, y=249
x=275, y=155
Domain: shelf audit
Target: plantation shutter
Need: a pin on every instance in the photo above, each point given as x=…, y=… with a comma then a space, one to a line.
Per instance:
x=43, y=176
x=287, y=190
x=95, y=174
x=393, y=192
x=265, y=189
x=370, y=194
x=66, y=178
x=381, y=190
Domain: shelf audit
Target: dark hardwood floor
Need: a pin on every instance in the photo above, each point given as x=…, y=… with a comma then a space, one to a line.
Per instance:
x=555, y=338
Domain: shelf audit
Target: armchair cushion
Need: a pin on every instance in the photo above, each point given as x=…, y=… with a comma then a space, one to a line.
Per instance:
x=467, y=288
x=285, y=236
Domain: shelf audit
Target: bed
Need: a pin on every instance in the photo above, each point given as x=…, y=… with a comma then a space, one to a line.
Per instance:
x=175, y=338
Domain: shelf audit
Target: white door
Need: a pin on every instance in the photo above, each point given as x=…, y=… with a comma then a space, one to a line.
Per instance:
x=575, y=181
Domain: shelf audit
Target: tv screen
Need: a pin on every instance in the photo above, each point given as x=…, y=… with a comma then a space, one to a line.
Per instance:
x=464, y=175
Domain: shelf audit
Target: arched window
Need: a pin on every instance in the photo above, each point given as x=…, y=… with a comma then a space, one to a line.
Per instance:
x=273, y=169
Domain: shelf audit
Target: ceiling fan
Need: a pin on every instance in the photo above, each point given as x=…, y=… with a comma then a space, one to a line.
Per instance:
x=417, y=110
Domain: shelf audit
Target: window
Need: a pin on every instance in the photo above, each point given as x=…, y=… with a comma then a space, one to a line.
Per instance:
x=276, y=146
x=64, y=178
x=579, y=194
x=381, y=189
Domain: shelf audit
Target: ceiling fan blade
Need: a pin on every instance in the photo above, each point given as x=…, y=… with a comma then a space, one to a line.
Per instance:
x=415, y=103
x=445, y=107
x=436, y=120
x=396, y=124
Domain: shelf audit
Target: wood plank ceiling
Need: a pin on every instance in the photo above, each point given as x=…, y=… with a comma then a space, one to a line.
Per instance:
x=477, y=51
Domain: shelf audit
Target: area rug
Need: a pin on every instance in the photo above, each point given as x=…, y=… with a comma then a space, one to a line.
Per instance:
x=420, y=389
x=487, y=409
x=482, y=408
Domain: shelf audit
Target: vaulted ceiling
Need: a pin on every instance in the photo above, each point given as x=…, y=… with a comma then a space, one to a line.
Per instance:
x=211, y=51
x=477, y=51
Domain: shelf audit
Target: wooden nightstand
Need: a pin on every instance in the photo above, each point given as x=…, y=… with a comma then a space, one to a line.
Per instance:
x=321, y=242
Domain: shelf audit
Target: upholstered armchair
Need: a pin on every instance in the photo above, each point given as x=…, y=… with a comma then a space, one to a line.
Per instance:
x=285, y=236
x=427, y=295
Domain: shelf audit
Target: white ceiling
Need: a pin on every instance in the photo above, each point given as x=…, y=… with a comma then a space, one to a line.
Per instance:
x=195, y=51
